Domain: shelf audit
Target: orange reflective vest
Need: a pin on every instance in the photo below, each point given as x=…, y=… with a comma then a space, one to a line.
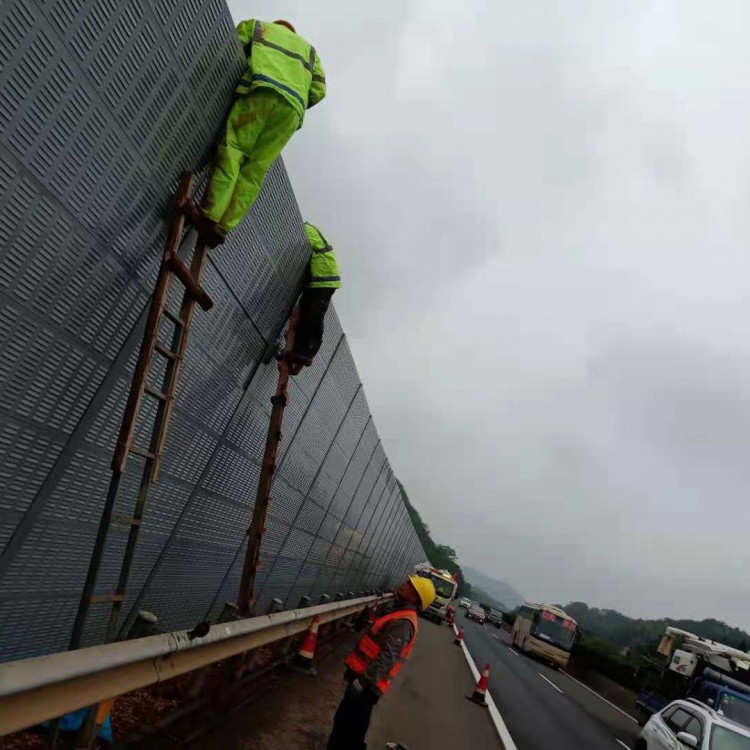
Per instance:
x=368, y=649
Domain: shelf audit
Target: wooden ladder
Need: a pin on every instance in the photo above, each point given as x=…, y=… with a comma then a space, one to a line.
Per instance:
x=164, y=395
x=257, y=528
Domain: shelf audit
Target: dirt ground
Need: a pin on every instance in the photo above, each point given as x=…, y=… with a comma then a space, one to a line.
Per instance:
x=296, y=711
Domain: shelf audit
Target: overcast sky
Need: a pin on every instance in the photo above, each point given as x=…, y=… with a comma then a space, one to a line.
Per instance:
x=541, y=210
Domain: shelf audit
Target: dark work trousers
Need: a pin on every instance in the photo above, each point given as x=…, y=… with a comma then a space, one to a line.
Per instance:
x=312, y=312
x=352, y=721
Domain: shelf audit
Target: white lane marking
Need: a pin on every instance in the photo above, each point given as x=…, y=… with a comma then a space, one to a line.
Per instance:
x=513, y=651
x=550, y=682
x=617, y=708
x=497, y=719
x=495, y=637
x=620, y=742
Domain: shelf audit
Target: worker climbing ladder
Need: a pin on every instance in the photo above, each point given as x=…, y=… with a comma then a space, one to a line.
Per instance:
x=142, y=387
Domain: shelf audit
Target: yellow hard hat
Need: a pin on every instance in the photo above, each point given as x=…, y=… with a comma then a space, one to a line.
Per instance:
x=425, y=588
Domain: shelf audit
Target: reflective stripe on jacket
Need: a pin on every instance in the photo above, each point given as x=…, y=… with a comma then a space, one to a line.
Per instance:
x=368, y=649
x=324, y=269
x=282, y=60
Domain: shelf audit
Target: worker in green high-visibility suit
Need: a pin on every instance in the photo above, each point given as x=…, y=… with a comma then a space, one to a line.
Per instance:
x=284, y=78
x=323, y=279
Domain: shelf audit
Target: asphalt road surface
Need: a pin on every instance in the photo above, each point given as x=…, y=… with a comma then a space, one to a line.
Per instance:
x=544, y=708
x=426, y=709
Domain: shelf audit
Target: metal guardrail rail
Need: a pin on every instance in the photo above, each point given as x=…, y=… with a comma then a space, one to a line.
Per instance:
x=42, y=688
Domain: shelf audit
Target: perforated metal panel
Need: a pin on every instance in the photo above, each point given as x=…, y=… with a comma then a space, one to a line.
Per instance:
x=102, y=106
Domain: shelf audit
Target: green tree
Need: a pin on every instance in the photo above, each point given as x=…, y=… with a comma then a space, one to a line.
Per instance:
x=439, y=555
x=640, y=636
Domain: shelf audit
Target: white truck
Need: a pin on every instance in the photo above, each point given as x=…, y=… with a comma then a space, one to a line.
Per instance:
x=445, y=591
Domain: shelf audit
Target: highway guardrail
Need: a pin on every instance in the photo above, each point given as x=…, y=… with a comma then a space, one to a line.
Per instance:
x=42, y=688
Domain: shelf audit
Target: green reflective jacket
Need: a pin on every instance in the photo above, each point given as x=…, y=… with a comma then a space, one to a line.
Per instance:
x=324, y=270
x=282, y=60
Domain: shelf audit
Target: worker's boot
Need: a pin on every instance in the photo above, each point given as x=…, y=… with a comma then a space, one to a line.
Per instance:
x=211, y=233
x=309, y=334
x=208, y=231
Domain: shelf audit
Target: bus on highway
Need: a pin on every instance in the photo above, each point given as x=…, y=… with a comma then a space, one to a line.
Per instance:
x=544, y=631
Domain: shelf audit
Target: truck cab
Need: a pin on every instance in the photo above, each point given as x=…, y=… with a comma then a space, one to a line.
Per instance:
x=697, y=669
x=725, y=695
x=445, y=590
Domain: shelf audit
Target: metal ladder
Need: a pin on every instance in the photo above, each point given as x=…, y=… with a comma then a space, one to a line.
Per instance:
x=164, y=394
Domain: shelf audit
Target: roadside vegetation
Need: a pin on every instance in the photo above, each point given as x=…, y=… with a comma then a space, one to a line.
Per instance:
x=638, y=636
x=614, y=644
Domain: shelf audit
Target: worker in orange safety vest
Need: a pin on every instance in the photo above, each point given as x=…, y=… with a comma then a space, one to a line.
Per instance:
x=376, y=660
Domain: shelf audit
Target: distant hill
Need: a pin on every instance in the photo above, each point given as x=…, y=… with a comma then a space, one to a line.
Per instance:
x=639, y=636
x=500, y=591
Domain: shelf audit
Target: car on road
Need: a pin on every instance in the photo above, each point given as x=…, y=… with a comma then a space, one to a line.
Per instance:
x=693, y=725
x=464, y=602
x=495, y=617
x=477, y=614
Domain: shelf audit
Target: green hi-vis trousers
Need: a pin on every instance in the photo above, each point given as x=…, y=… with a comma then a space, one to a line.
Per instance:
x=258, y=127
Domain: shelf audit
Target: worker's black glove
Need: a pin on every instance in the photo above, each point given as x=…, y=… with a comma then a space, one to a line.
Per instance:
x=355, y=689
x=363, y=691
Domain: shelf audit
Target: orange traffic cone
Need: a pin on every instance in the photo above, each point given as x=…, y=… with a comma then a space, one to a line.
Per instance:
x=302, y=660
x=459, y=637
x=479, y=695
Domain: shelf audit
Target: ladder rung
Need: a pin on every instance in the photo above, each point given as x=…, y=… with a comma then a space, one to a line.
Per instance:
x=168, y=353
x=192, y=286
x=176, y=319
x=126, y=521
x=141, y=452
x=156, y=394
x=104, y=598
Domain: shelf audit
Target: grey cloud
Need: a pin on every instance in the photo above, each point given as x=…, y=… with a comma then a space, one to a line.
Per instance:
x=540, y=210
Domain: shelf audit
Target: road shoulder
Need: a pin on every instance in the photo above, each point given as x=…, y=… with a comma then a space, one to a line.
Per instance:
x=427, y=707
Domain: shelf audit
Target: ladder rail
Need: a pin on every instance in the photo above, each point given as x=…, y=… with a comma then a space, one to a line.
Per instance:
x=251, y=565
x=159, y=433
x=174, y=366
x=92, y=573
x=129, y=554
x=193, y=293
x=150, y=334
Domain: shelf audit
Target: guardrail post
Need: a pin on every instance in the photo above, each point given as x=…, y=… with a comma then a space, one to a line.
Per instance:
x=336, y=626
x=143, y=625
x=362, y=618
x=274, y=606
x=304, y=601
x=229, y=613
x=330, y=627
x=348, y=622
